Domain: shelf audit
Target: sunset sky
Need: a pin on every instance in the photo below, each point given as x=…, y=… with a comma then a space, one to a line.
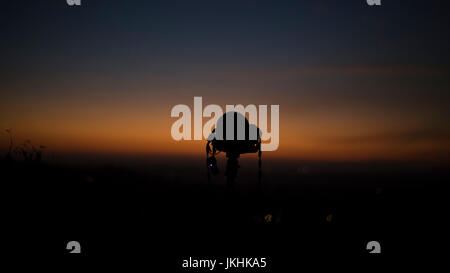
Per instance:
x=353, y=82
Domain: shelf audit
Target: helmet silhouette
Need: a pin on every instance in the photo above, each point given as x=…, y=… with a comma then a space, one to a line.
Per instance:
x=242, y=138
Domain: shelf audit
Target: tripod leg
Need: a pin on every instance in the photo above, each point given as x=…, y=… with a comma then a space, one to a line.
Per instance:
x=208, y=148
x=259, y=168
x=259, y=159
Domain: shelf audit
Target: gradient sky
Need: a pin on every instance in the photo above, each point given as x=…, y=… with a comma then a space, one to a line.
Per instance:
x=353, y=82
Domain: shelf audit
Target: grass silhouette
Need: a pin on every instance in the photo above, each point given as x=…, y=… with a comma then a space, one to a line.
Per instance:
x=27, y=151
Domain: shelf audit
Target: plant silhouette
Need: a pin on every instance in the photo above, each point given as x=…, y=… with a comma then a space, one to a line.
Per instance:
x=26, y=151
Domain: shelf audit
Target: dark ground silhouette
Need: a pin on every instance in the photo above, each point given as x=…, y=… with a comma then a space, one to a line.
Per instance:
x=168, y=210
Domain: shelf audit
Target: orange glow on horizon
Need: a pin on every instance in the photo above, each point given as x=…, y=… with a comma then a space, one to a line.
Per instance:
x=131, y=130
x=95, y=117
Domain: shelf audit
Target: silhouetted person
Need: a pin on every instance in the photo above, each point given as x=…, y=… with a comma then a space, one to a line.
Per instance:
x=233, y=146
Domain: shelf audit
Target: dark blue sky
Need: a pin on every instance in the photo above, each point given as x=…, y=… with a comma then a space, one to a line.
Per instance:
x=382, y=71
x=173, y=35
